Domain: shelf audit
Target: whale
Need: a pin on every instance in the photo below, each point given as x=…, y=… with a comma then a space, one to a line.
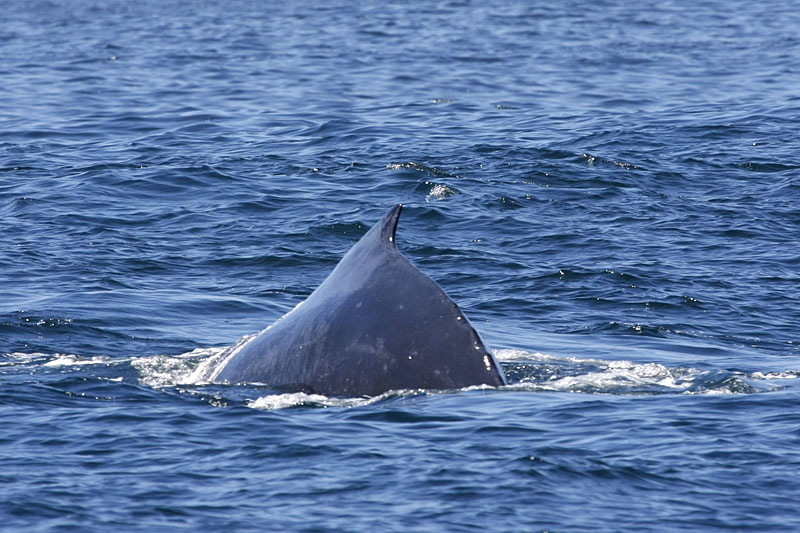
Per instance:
x=375, y=324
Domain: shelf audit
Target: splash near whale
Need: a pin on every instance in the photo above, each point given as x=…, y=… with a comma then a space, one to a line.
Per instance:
x=376, y=324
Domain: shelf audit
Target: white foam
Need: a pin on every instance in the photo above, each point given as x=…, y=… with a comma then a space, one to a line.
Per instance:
x=166, y=371
x=295, y=399
x=787, y=374
x=213, y=363
x=547, y=373
x=17, y=358
x=511, y=355
x=439, y=192
x=76, y=360
x=624, y=376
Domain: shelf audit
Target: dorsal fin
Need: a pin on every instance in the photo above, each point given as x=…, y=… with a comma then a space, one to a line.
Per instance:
x=376, y=323
x=388, y=225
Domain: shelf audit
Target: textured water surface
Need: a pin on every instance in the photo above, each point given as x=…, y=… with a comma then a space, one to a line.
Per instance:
x=610, y=193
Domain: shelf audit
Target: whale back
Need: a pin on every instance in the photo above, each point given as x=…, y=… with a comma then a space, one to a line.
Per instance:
x=376, y=323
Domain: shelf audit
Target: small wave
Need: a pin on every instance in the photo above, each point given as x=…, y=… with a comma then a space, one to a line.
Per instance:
x=438, y=191
x=419, y=167
x=20, y=358
x=542, y=372
x=788, y=374
x=54, y=360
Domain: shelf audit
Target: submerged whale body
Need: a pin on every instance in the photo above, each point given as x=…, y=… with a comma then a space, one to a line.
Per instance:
x=376, y=323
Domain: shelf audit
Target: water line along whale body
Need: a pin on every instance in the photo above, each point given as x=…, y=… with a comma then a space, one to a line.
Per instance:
x=375, y=324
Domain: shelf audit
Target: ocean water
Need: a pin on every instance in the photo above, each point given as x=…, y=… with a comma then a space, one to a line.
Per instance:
x=610, y=192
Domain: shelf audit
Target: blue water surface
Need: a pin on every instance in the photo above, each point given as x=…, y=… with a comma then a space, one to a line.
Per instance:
x=608, y=190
